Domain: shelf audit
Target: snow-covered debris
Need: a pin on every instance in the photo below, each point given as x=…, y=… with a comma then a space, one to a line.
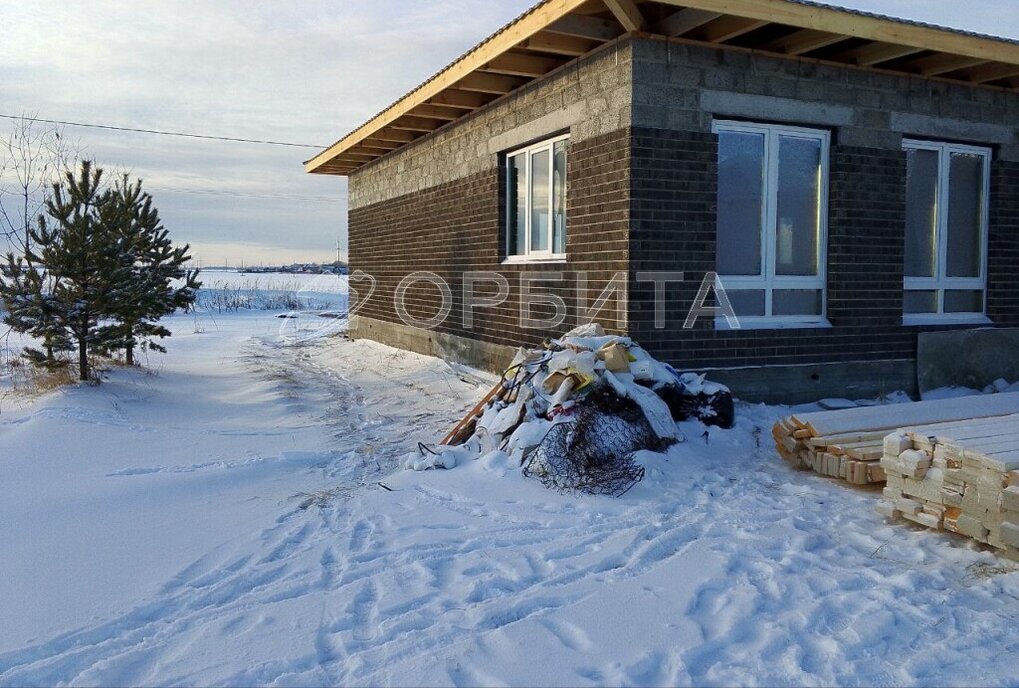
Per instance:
x=573, y=414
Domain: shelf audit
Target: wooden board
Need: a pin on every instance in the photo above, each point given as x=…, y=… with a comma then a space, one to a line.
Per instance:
x=921, y=413
x=840, y=21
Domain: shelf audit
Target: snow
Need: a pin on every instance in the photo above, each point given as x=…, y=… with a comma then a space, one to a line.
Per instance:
x=999, y=386
x=226, y=291
x=237, y=514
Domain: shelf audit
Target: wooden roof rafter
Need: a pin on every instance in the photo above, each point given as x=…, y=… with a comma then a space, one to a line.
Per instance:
x=555, y=32
x=990, y=72
x=803, y=41
x=726, y=28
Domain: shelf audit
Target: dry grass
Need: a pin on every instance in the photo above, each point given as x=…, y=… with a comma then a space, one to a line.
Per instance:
x=27, y=380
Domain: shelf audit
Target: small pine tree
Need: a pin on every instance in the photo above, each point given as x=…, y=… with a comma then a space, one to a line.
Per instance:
x=29, y=309
x=100, y=274
x=158, y=282
x=83, y=260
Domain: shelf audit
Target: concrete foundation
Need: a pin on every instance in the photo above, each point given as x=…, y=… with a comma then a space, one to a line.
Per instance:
x=765, y=384
x=800, y=384
x=494, y=358
x=967, y=358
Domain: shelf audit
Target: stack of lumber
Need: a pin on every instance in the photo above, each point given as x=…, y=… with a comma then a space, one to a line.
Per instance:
x=962, y=477
x=849, y=443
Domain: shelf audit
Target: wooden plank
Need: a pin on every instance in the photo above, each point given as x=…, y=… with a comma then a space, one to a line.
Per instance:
x=891, y=417
x=627, y=14
x=557, y=44
x=518, y=64
x=437, y=112
x=727, y=28
x=862, y=436
x=394, y=136
x=531, y=23
x=838, y=20
x=992, y=71
x=490, y=83
x=422, y=124
x=581, y=26
x=973, y=428
x=370, y=149
x=497, y=391
x=465, y=100
x=351, y=156
x=805, y=41
x=378, y=143
x=865, y=453
x=876, y=53
x=684, y=21
x=940, y=63
x=980, y=443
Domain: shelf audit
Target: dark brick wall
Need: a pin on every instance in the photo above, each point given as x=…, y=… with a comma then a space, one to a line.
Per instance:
x=673, y=227
x=1003, y=245
x=458, y=227
x=644, y=199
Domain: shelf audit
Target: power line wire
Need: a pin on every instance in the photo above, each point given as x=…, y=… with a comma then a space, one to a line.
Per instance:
x=208, y=137
x=246, y=194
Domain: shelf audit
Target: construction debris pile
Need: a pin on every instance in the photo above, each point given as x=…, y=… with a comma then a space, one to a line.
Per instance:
x=849, y=443
x=574, y=414
x=961, y=476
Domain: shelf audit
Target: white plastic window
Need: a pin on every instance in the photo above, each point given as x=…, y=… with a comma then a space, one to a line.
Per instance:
x=947, y=202
x=536, y=201
x=772, y=222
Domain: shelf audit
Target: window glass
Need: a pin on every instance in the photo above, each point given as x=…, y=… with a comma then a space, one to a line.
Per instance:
x=964, y=301
x=516, y=197
x=921, y=212
x=772, y=224
x=540, y=202
x=796, y=302
x=946, y=234
x=749, y=303
x=559, y=198
x=799, y=205
x=740, y=202
x=965, y=202
x=920, y=302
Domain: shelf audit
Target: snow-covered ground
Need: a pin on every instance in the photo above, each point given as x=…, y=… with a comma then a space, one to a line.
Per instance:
x=229, y=291
x=234, y=515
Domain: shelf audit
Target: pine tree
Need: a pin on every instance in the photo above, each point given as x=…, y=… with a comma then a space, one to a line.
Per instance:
x=158, y=282
x=83, y=262
x=100, y=274
x=29, y=309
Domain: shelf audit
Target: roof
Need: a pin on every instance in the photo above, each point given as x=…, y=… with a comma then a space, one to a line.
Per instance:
x=555, y=33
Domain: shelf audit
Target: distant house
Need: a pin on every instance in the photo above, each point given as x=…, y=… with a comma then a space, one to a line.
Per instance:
x=853, y=180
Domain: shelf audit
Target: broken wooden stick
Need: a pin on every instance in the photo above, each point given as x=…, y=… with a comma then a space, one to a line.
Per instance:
x=455, y=436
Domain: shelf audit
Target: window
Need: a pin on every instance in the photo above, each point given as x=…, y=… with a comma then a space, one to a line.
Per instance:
x=536, y=201
x=772, y=222
x=946, y=232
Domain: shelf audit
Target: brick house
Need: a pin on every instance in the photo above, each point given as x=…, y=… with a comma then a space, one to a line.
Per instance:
x=852, y=179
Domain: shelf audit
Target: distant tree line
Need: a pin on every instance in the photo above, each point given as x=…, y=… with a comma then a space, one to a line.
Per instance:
x=95, y=273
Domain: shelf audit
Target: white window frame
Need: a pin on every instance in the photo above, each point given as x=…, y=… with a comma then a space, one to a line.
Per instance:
x=941, y=282
x=768, y=281
x=528, y=152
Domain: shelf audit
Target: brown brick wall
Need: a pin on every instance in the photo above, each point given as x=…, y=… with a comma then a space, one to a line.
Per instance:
x=675, y=187
x=673, y=228
x=458, y=227
x=645, y=200
x=1003, y=245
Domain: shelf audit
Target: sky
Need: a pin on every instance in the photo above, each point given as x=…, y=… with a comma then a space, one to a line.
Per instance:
x=303, y=71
